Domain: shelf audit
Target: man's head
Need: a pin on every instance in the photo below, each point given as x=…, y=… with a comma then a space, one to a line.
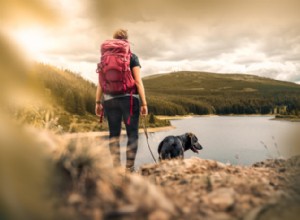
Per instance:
x=121, y=34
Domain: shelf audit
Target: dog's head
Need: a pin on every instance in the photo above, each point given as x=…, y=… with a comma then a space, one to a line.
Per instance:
x=193, y=143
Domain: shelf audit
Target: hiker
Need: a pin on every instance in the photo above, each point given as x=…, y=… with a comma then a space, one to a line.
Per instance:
x=119, y=100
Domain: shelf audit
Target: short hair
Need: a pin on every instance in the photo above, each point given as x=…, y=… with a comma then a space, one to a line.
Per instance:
x=121, y=34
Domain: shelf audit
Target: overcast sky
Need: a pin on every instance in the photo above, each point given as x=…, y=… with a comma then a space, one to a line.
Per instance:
x=260, y=37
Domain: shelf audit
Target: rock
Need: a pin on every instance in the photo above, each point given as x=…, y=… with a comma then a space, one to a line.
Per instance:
x=128, y=212
x=294, y=161
x=159, y=215
x=97, y=214
x=75, y=199
x=147, y=196
x=222, y=165
x=271, y=163
x=221, y=199
x=183, y=181
x=221, y=216
x=286, y=209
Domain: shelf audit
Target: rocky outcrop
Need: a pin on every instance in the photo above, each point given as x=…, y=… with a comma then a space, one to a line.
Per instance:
x=188, y=189
x=206, y=189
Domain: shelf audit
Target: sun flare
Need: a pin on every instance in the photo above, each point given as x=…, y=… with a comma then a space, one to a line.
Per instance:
x=32, y=41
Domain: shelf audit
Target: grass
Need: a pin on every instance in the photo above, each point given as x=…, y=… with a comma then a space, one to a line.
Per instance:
x=270, y=150
x=44, y=116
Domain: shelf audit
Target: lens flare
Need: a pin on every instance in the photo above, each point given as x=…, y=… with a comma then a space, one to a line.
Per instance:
x=33, y=42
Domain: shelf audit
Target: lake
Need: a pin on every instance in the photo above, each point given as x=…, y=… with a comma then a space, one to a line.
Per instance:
x=240, y=140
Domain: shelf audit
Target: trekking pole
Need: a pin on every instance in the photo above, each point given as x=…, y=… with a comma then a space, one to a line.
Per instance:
x=144, y=121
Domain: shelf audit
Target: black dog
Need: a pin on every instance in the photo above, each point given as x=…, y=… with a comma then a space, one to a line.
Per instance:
x=174, y=146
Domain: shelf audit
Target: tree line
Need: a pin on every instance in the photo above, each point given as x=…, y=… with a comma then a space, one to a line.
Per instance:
x=169, y=105
x=75, y=94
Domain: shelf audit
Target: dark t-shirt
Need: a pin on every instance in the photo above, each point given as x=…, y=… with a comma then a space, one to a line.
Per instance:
x=134, y=61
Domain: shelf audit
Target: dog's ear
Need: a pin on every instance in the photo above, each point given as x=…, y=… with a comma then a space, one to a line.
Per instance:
x=190, y=135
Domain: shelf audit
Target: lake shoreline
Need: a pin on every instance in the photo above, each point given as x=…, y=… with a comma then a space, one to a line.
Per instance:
x=286, y=119
x=180, y=117
x=290, y=118
x=274, y=117
x=106, y=133
x=171, y=127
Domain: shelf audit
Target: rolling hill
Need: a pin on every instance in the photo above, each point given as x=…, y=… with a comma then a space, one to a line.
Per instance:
x=59, y=100
x=210, y=93
x=68, y=100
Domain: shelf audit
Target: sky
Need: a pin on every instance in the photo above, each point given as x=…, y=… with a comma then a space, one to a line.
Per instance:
x=260, y=37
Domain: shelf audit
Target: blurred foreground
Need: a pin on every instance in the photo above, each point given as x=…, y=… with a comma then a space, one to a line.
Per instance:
x=45, y=176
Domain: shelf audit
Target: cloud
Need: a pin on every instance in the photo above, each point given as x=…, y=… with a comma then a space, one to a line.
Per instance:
x=258, y=37
x=250, y=36
x=167, y=10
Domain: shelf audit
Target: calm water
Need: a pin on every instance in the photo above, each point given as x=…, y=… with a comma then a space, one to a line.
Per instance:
x=238, y=140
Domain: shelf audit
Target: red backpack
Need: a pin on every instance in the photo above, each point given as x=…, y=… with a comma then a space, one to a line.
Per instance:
x=115, y=76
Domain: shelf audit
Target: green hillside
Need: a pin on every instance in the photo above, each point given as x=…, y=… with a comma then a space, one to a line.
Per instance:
x=68, y=90
x=211, y=93
x=66, y=102
x=63, y=101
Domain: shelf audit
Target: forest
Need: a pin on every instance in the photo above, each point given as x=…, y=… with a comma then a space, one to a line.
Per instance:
x=203, y=93
x=180, y=93
x=69, y=90
x=68, y=102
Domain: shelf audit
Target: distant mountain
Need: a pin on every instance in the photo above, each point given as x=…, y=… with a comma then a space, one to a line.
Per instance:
x=211, y=93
